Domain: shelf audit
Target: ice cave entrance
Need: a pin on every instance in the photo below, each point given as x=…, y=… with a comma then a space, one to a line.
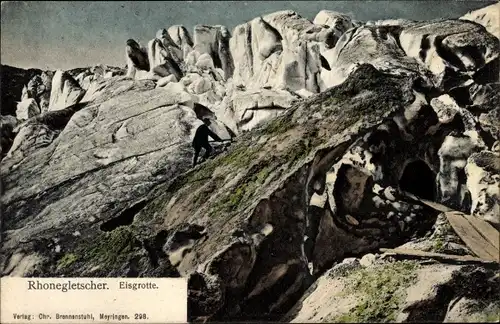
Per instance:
x=418, y=179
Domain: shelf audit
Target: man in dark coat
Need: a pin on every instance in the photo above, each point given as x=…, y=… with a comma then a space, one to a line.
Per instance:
x=201, y=140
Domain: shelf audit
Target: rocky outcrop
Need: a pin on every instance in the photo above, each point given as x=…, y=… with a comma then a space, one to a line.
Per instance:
x=251, y=44
x=238, y=108
x=27, y=108
x=483, y=177
x=448, y=49
x=13, y=81
x=65, y=91
x=164, y=56
x=453, y=50
x=173, y=50
x=214, y=42
x=400, y=291
x=91, y=163
x=381, y=48
x=7, y=126
x=281, y=50
x=39, y=89
x=181, y=38
x=244, y=110
x=453, y=155
x=85, y=77
x=137, y=60
x=488, y=17
x=338, y=22
x=39, y=131
x=70, y=87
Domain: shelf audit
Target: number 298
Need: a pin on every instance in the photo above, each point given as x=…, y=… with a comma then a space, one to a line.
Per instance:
x=140, y=316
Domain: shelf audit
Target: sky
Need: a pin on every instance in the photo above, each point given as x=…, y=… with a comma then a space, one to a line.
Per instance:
x=67, y=34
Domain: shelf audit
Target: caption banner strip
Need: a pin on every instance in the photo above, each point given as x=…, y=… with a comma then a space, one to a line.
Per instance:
x=93, y=300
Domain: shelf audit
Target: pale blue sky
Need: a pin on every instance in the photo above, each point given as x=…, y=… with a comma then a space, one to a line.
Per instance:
x=64, y=34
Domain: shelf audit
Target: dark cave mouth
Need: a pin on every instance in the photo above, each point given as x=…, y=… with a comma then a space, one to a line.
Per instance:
x=419, y=179
x=125, y=218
